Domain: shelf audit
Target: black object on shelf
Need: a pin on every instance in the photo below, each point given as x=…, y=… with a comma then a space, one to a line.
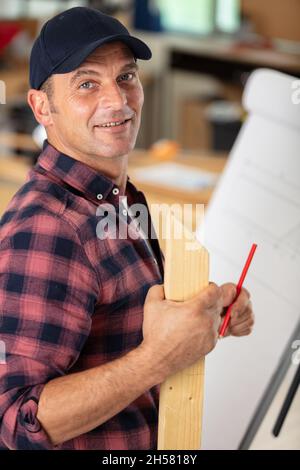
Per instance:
x=225, y=120
x=287, y=403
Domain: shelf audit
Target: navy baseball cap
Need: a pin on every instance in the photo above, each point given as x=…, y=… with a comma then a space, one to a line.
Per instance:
x=67, y=39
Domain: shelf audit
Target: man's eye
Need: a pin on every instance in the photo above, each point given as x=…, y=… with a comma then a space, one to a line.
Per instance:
x=126, y=77
x=86, y=85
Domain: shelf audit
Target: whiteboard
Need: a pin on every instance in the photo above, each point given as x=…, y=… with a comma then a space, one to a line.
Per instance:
x=257, y=200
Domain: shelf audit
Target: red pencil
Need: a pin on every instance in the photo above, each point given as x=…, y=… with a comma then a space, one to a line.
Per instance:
x=238, y=290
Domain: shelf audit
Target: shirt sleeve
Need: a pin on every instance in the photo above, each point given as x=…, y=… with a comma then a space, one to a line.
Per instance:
x=48, y=291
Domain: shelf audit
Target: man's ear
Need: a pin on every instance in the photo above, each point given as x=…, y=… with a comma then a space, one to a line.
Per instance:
x=39, y=103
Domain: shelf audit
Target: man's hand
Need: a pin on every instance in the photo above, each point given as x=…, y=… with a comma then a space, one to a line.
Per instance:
x=242, y=317
x=177, y=334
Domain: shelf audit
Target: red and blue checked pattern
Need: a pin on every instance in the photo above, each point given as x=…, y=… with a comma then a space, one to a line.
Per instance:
x=69, y=301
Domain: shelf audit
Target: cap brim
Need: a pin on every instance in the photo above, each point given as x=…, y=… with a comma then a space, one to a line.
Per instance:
x=139, y=49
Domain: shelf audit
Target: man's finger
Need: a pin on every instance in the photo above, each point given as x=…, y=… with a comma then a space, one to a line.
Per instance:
x=156, y=292
x=241, y=303
x=238, y=316
x=229, y=293
x=208, y=297
x=242, y=332
x=238, y=329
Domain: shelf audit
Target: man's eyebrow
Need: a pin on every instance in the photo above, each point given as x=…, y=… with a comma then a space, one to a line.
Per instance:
x=81, y=72
x=130, y=66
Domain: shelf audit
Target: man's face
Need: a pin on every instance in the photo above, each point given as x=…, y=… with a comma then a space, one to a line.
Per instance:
x=105, y=89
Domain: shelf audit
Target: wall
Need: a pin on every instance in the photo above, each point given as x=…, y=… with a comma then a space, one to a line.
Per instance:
x=275, y=18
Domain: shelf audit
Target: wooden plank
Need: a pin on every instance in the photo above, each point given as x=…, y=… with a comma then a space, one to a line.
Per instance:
x=181, y=395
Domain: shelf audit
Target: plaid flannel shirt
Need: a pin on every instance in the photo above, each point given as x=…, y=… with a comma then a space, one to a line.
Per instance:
x=70, y=301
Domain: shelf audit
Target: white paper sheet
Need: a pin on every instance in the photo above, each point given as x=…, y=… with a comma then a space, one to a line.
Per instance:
x=257, y=200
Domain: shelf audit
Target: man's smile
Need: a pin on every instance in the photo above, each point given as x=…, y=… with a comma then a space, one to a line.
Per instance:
x=114, y=126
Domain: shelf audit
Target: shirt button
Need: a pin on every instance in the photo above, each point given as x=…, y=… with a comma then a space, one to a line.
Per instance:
x=124, y=212
x=115, y=191
x=99, y=196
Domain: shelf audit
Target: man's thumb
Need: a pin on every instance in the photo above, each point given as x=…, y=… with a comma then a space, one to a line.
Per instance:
x=155, y=292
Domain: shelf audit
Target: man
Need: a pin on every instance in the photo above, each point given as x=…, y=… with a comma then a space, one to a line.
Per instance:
x=88, y=333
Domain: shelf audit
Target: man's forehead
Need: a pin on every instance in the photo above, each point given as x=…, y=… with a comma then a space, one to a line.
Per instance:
x=110, y=50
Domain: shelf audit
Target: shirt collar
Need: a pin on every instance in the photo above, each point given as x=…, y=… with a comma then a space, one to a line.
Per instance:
x=93, y=185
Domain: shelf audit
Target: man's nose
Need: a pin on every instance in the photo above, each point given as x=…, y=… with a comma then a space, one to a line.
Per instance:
x=113, y=97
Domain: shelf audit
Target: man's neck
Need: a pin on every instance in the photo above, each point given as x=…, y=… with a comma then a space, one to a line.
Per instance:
x=113, y=168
